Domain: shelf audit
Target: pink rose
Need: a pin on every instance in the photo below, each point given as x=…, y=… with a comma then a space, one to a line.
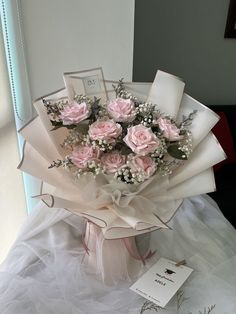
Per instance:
x=112, y=161
x=74, y=113
x=170, y=130
x=121, y=110
x=143, y=164
x=141, y=140
x=82, y=154
x=105, y=130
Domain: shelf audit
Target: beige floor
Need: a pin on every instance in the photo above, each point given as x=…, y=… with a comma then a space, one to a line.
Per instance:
x=12, y=199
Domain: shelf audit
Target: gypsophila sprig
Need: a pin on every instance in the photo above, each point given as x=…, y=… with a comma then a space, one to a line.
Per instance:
x=65, y=163
x=146, y=114
x=54, y=108
x=121, y=92
x=124, y=137
x=73, y=138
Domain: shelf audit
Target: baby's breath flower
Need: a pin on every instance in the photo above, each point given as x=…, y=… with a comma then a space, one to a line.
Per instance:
x=128, y=176
x=169, y=153
x=186, y=145
x=74, y=138
x=54, y=108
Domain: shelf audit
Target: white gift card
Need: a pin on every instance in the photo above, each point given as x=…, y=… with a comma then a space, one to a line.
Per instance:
x=92, y=84
x=160, y=283
x=89, y=82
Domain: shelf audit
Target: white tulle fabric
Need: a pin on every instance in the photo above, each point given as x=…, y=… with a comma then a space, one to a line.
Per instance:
x=44, y=272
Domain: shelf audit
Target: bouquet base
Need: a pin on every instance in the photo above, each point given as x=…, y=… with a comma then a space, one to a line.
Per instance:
x=114, y=260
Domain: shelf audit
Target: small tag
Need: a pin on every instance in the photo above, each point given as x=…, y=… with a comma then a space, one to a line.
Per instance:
x=161, y=282
x=88, y=82
x=92, y=84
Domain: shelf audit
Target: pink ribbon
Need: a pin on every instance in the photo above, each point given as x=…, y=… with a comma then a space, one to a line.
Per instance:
x=128, y=242
x=133, y=251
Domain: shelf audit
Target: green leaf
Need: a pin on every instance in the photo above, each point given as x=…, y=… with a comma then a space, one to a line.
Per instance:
x=156, y=129
x=70, y=126
x=96, y=101
x=176, y=152
x=59, y=124
x=56, y=125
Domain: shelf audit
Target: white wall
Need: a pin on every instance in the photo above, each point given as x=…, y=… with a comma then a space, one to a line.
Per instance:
x=69, y=35
x=63, y=36
x=59, y=36
x=12, y=199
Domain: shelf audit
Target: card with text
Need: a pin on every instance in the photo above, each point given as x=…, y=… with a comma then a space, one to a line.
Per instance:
x=161, y=282
x=88, y=82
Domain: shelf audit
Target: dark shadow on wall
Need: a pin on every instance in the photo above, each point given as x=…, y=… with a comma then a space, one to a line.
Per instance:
x=186, y=38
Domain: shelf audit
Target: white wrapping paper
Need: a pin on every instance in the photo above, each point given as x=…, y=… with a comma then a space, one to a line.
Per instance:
x=122, y=210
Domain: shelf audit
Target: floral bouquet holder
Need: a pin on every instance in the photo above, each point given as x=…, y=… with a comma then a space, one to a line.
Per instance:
x=141, y=188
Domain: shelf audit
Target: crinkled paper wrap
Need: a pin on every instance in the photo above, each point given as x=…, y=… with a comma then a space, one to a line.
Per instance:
x=123, y=210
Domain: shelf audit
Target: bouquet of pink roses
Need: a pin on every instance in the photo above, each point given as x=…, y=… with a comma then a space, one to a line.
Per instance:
x=126, y=138
x=123, y=156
